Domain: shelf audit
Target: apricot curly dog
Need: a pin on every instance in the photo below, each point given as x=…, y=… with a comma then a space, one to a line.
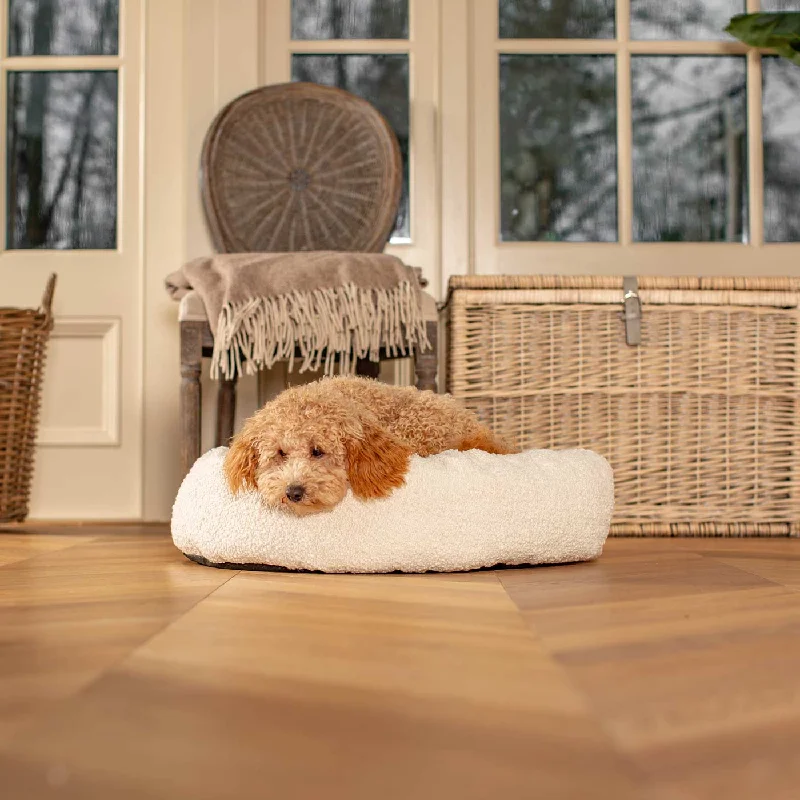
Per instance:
x=303, y=449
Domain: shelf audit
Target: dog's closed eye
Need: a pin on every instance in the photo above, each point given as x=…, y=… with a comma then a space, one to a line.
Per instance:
x=316, y=452
x=281, y=454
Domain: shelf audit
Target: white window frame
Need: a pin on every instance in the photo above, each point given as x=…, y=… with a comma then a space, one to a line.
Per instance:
x=93, y=472
x=491, y=256
x=127, y=66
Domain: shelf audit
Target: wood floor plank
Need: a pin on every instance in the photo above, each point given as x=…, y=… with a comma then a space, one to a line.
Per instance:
x=693, y=676
x=16, y=546
x=692, y=681
x=775, y=559
x=782, y=568
x=646, y=578
x=332, y=686
x=663, y=621
x=760, y=764
x=66, y=616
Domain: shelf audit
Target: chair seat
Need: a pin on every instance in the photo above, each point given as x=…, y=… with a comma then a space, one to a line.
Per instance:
x=197, y=342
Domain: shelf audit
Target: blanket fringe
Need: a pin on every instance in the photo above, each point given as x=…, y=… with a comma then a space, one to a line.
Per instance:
x=347, y=321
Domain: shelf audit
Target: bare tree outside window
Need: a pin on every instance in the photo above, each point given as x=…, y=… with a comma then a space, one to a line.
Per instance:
x=781, y=103
x=349, y=19
x=558, y=162
x=556, y=19
x=558, y=130
x=558, y=126
x=689, y=148
x=381, y=78
x=780, y=5
x=702, y=20
x=62, y=129
x=63, y=27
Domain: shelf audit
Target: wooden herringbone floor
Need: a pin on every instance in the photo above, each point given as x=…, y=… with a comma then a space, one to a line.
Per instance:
x=668, y=669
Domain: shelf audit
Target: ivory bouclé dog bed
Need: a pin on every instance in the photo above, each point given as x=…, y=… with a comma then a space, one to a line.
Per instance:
x=456, y=512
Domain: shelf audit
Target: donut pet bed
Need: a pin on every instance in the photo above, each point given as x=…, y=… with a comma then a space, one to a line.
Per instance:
x=456, y=512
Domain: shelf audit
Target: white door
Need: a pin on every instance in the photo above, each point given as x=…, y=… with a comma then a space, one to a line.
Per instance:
x=70, y=140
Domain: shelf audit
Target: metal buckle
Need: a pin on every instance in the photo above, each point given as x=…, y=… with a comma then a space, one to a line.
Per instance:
x=633, y=311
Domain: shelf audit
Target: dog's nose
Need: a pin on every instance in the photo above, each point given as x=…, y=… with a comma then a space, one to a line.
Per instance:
x=295, y=493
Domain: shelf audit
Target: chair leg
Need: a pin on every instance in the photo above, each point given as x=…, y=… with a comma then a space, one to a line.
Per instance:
x=426, y=365
x=191, y=337
x=270, y=382
x=368, y=369
x=226, y=411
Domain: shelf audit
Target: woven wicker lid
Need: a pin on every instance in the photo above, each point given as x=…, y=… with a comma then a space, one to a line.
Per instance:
x=681, y=282
x=300, y=166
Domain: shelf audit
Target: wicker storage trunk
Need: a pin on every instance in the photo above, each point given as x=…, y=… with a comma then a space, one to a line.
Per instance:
x=699, y=420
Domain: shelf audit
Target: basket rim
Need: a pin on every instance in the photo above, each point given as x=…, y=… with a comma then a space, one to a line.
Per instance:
x=26, y=318
x=682, y=282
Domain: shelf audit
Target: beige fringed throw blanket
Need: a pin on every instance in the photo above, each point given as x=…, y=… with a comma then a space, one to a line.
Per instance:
x=262, y=307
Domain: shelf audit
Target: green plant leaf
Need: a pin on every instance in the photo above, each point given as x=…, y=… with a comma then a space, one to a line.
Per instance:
x=779, y=32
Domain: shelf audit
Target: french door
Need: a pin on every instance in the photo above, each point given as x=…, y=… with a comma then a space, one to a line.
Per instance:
x=70, y=166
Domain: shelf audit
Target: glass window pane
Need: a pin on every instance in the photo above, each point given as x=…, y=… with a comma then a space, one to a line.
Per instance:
x=558, y=148
x=689, y=149
x=62, y=160
x=781, y=103
x=349, y=19
x=383, y=81
x=63, y=27
x=683, y=19
x=556, y=19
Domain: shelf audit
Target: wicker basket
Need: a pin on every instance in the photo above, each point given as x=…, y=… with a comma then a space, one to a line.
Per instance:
x=23, y=342
x=698, y=420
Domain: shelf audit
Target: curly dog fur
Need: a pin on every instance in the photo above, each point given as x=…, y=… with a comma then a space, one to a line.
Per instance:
x=303, y=449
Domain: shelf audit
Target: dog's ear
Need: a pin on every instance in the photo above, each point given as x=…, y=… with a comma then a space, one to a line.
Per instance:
x=377, y=462
x=241, y=462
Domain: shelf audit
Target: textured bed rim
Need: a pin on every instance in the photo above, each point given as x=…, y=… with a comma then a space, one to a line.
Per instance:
x=204, y=562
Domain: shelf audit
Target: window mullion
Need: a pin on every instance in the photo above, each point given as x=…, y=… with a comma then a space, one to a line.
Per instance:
x=624, y=125
x=3, y=30
x=45, y=63
x=755, y=152
x=358, y=46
